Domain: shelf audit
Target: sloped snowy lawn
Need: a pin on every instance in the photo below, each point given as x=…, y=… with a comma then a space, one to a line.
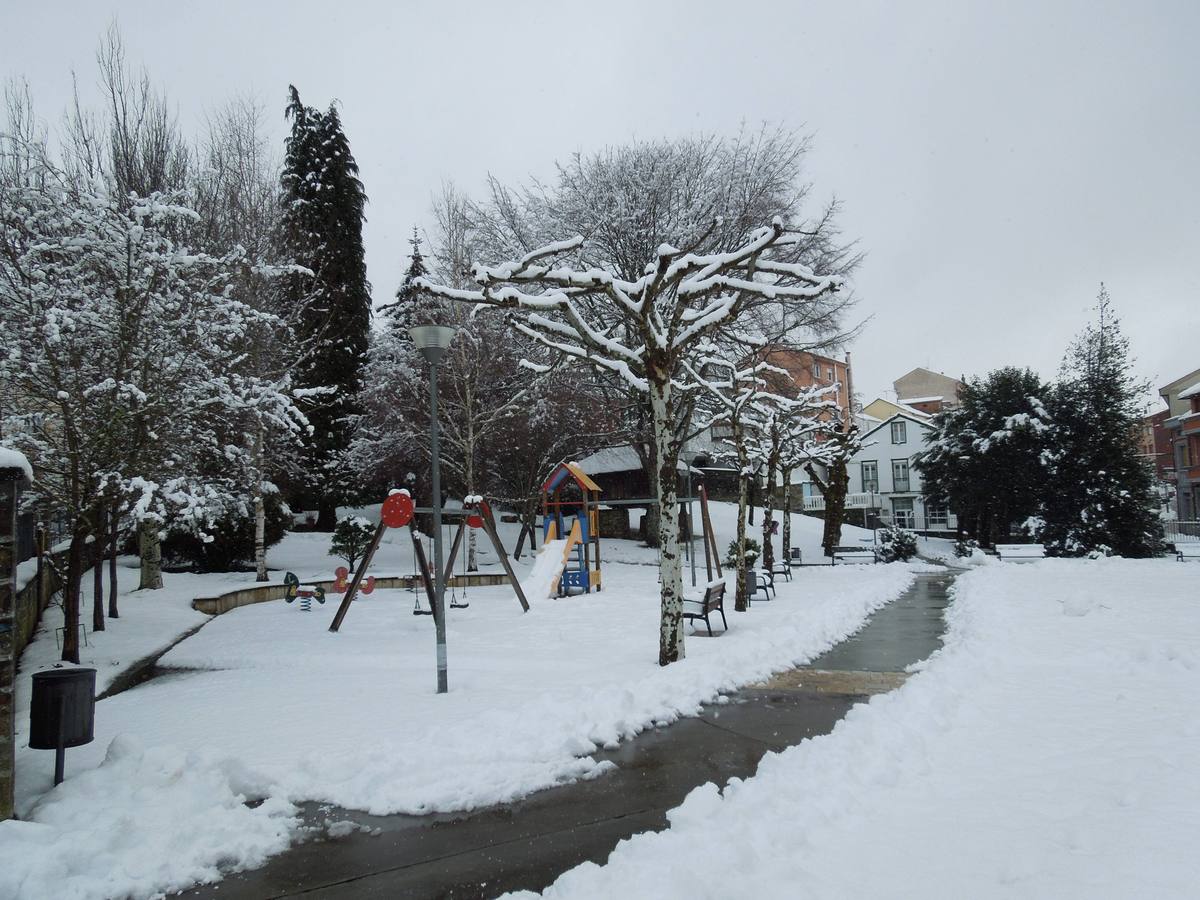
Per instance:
x=352, y=718
x=1048, y=750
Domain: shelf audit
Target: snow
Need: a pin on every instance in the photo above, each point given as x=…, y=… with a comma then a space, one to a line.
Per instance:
x=547, y=567
x=1190, y=392
x=15, y=459
x=1045, y=751
x=255, y=705
x=616, y=459
x=908, y=401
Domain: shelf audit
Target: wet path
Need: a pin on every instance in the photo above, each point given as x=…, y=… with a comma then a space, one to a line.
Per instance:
x=528, y=844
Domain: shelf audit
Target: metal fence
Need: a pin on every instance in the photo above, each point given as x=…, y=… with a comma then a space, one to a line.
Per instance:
x=1176, y=532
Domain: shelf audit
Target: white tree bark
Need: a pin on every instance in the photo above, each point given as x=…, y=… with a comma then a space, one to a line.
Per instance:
x=260, y=514
x=150, y=550
x=670, y=644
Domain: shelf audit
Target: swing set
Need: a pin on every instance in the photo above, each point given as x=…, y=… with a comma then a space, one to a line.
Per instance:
x=398, y=511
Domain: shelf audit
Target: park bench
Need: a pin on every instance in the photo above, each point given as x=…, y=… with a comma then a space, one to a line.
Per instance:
x=1020, y=552
x=1187, y=551
x=853, y=555
x=782, y=568
x=713, y=601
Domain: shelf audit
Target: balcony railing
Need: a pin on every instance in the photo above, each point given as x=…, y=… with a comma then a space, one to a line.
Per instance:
x=853, y=501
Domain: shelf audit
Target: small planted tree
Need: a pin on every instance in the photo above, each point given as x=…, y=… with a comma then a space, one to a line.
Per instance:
x=351, y=537
x=833, y=452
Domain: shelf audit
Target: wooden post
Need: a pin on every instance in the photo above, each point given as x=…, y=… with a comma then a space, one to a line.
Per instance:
x=489, y=525
x=711, y=553
x=348, y=598
x=462, y=524
x=423, y=566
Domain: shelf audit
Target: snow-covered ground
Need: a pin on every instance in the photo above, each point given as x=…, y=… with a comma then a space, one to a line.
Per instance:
x=1048, y=750
x=284, y=710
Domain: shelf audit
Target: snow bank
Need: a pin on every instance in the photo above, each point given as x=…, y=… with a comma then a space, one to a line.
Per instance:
x=144, y=822
x=1048, y=750
x=352, y=718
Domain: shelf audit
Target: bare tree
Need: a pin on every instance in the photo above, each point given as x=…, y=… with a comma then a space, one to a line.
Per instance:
x=643, y=331
x=628, y=201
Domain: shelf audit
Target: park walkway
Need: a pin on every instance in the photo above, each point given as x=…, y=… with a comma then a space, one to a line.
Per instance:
x=528, y=844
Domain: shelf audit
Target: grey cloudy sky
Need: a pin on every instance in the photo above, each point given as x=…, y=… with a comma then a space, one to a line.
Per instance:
x=997, y=161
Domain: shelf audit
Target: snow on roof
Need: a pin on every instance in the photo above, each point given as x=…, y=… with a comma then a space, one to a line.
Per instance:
x=921, y=399
x=15, y=459
x=616, y=459
x=1190, y=392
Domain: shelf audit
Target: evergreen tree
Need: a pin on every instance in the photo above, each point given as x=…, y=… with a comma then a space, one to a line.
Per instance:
x=1102, y=493
x=411, y=307
x=985, y=458
x=321, y=229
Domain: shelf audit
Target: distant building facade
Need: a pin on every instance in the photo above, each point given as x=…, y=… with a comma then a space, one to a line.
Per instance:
x=927, y=391
x=1182, y=424
x=885, y=486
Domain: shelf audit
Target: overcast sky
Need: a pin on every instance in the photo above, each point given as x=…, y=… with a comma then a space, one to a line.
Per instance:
x=996, y=161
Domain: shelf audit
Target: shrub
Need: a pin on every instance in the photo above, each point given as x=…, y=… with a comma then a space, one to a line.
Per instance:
x=896, y=544
x=350, y=539
x=230, y=543
x=964, y=548
x=753, y=552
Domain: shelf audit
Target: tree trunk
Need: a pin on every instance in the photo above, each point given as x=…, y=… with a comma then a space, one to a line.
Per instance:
x=326, y=514
x=100, y=533
x=653, y=514
x=114, y=534
x=150, y=550
x=768, y=525
x=70, y=648
x=787, y=516
x=741, y=601
x=469, y=472
x=835, y=506
x=260, y=512
x=670, y=567
x=741, y=598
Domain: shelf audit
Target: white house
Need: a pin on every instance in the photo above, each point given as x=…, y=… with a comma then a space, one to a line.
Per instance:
x=883, y=480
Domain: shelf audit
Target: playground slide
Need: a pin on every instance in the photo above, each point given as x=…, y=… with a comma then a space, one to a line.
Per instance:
x=548, y=566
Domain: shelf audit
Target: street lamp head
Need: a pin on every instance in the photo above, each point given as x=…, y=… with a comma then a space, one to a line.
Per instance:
x=432, y=340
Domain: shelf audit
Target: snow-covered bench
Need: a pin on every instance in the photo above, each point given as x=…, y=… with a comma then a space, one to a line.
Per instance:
x=1020, y=552
x=853, y=555
x=713, y=601
x=1187, y=551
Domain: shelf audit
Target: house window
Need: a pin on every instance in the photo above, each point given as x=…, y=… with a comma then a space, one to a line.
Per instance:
x=900, y=475
x=938, y=516
x=817, y=371
x=899, y=433
x=829, y=373
x=902, y=512
x=722, y=430
x=870, y=477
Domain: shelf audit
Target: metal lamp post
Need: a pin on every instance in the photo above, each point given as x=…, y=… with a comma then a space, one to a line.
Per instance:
x=432, y=341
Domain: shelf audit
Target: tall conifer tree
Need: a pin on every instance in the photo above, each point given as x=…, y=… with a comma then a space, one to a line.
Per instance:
x=1102, y=495
x=321, y=229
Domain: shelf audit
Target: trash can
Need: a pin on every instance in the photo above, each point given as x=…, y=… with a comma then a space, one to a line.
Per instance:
x=63, y=699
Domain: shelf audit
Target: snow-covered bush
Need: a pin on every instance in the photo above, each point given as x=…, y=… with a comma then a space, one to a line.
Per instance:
x=350, y=539
x=753, y=552
x=226, y=544
x=896, y=544
x=964, y=548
